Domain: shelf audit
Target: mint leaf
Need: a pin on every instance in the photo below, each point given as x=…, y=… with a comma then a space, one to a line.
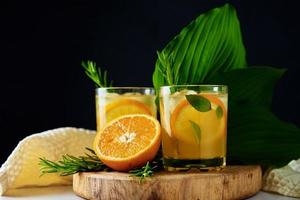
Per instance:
x=200, y=103
x=197, y=131
x=219, y=112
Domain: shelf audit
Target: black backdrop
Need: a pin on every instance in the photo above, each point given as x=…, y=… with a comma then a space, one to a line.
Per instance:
x=42, y=44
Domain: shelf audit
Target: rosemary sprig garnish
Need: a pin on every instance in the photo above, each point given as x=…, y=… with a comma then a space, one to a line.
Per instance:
x=166, y=67
x=95, y=74
x=70, y=164
x=90, y=163
x=150, y=167
x=143, y=172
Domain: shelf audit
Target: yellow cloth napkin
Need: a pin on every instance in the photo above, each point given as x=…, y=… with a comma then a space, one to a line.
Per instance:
x=285, y=180
x=21, y=169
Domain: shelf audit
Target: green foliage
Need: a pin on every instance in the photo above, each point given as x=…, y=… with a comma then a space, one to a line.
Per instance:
x=252, y=85
x=209, y=44
x=255, y=134
x=200, y=103
x=150, y=168
x=197, y=131
x=143, y=172
x=165, y=67
x=219, y=112
x=95, y=74
x=70, y=164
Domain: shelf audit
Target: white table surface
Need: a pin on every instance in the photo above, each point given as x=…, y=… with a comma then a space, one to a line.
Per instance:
x=66, y=193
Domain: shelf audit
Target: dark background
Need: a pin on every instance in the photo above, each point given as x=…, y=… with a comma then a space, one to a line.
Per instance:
x=42, y=44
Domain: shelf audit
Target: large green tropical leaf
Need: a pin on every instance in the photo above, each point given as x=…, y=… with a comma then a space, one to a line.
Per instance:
x=255, y=135
x=209, y=44
x=252, y=85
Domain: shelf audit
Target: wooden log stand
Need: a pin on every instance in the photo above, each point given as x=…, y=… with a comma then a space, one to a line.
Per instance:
x=233, y=182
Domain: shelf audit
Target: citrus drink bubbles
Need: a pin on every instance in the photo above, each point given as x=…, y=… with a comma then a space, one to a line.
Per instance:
x=194, y=126
x=113, y=102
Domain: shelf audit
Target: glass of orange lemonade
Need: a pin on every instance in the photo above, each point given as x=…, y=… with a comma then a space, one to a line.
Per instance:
x=113, y=102
x=194, y=126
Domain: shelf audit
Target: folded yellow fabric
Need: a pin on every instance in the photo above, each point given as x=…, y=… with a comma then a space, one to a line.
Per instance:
x=21, y=169
x=285, y=180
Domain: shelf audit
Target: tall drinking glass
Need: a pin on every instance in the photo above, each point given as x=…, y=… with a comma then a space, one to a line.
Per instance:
x=113, y=102
x=194, y=126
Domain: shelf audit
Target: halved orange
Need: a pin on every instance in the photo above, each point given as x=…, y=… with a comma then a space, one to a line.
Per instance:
x=212, y=127
x=124, y=107
x=128, y=141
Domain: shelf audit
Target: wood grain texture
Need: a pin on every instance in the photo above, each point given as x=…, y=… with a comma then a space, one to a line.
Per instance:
x=233, y=182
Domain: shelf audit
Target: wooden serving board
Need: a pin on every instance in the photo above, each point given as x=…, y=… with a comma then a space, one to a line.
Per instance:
x=233, y=182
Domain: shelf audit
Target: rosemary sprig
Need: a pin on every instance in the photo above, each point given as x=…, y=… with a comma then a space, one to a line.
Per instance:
x=143, y=172
x=166, y=67
x=70, y=164
x=90, y=162
x=151, y=166
x=95, y=74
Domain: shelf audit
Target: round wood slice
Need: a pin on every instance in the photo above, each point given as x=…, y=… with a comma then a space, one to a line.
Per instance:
x=233, y=182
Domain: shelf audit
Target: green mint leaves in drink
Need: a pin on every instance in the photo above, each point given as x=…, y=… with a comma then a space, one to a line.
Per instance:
x=198, y=102
x=219, y=112
x=197, y=131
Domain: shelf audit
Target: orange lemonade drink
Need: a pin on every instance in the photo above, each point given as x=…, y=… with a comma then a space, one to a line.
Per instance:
x=194, y=126
x=113, y=102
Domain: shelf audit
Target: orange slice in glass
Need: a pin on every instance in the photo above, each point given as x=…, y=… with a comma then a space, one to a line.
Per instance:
x=212, y=124
x=125, y=107
x=128, y=141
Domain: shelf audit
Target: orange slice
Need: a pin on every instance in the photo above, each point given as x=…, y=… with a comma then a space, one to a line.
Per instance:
x=212, y=127
x=125, y=107
x=128, y=141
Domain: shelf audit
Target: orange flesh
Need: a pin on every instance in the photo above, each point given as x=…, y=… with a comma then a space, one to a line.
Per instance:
x=128, y=141
x=125, y=107
x=111, y=144
x=108, y=110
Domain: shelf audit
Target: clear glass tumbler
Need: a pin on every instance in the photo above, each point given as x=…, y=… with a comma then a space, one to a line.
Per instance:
x=194, y=126
x=113, y=102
